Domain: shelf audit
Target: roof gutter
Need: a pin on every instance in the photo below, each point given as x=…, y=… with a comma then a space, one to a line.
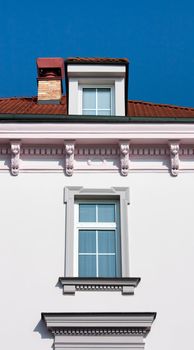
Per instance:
x=59, y=118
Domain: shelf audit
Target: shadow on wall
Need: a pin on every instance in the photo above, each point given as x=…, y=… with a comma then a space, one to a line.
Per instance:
x=42, y=330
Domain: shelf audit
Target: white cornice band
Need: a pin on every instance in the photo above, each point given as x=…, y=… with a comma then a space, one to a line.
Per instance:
x=97, y=131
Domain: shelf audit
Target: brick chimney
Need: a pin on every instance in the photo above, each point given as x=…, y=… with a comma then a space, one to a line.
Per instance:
x=50, y=75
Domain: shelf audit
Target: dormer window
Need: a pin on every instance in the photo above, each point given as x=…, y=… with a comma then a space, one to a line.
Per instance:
x=97, y=86
x=97, y=100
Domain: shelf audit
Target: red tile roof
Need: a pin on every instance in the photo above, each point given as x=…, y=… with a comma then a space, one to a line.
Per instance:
x=148, y=109
x=101, y=60
x=29, y=105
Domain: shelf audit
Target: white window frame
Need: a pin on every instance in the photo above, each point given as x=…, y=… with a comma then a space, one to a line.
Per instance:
x=115, y=226
x=96, y=86
x=71, y=194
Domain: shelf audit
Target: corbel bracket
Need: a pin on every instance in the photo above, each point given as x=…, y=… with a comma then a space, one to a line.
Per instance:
x=174, y=157
x=15, y=157
x=124, y=156
x=69, y=157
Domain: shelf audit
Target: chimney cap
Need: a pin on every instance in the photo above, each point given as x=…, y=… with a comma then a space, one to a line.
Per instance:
x=49, y=63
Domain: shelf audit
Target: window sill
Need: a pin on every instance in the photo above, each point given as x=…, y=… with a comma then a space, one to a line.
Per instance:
x=125, y=285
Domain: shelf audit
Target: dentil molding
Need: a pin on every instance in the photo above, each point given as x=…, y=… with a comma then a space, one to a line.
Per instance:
x=125, y=285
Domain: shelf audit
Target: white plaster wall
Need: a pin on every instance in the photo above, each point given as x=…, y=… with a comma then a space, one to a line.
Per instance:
x=32, y=256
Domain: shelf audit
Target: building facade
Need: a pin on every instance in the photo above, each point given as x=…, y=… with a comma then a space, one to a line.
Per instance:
x=96, y=214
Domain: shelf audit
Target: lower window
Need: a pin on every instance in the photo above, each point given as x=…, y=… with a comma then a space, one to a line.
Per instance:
x=97, y=239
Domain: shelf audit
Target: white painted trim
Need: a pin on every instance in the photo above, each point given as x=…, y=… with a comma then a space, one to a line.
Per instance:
x=73, y=102
x=97, y=133
x=117, y=85
x=75, y=70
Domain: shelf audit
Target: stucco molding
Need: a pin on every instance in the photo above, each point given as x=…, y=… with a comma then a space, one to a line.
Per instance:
x=174, y=156
x=69, y=157
x=99, y=330
x=15, y=157
x=124, y=156
x=123, y=285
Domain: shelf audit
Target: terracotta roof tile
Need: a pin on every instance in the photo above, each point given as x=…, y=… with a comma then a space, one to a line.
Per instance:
x=105, y=60
x=29, y=105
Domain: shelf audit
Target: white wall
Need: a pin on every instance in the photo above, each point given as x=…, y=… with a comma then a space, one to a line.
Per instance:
x=32, y=256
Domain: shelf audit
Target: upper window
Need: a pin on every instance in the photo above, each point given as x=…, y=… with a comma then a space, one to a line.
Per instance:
x=97, y=238
x=97, y=101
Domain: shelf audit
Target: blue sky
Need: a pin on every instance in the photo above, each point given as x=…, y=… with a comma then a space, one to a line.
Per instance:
x=156, y=36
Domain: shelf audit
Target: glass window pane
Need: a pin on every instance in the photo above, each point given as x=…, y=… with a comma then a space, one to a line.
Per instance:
x=104, y=98
x=89, y=112
x=89, y=98
x=87, y=266
x=106, y=241
x=106, y=266
x=104, y=112
x=106, y=213
x=87, y=212
x=87, y=241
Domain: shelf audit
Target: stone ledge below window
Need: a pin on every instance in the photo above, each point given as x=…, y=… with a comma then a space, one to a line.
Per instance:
x=125, y=285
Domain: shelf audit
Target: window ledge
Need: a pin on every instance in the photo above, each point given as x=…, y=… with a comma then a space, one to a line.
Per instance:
x=125, y=285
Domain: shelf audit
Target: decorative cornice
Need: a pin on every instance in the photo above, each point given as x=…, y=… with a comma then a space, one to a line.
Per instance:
x=69, y=157
x=99, y=330
x=174, y=157
x=15, y=157
x=98, y=157
x=99, y=324
x=124, y=157
x=124, y=285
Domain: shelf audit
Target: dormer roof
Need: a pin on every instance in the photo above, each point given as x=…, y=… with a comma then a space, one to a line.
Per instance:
x=96, y=60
